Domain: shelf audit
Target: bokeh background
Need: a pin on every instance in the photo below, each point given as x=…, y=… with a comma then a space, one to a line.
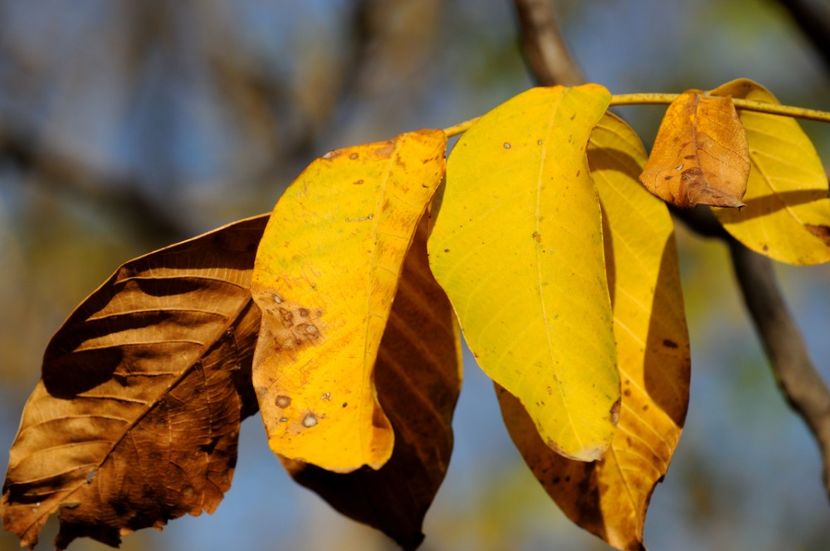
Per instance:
x=127, y=125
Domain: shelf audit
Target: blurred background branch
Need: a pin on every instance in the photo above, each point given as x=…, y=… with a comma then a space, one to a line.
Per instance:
x=813, y=19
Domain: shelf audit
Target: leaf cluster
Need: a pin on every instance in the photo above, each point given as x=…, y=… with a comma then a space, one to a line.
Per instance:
x=544, y=238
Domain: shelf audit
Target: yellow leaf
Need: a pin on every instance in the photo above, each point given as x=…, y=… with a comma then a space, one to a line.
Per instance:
x=517, y=245
x=418, y=376
x=609, y=497
x=325, y=276
x=787, y=212
x=700, y=155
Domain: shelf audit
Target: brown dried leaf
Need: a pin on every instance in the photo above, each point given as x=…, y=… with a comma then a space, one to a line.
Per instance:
x=700, y=155
x=137, y=417
x=418, y=377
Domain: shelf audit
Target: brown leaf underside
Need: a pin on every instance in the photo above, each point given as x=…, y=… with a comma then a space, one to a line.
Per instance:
x=136, y=420
x=418, y=378
x=700, y=155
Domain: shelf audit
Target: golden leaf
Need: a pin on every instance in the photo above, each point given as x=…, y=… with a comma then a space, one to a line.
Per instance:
x=610, y=497
x=418, y=376
x=137, y=417
x=325, y=276
x=700, y=155
x=517, y=246
x=787, y=212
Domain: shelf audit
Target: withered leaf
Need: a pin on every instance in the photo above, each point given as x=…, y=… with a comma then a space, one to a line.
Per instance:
x=136, y=419
x=700, y=155
x=418, y=376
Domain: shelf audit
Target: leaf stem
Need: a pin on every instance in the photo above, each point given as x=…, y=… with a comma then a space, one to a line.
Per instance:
x=741, y=104
x=664, y=99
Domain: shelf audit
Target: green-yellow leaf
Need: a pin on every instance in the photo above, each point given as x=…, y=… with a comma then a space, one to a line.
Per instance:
x=325, y=276
x=517, y=245
x=787, y=212
x=610, y=497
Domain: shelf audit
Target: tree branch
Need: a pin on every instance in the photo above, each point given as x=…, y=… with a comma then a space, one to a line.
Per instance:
x=799, y=381
x=120, y=195
x=794, y=372
x=544, y=51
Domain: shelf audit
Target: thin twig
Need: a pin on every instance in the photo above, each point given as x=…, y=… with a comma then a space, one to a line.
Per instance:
x=740, y=104
x=659, y=98
x=799, y=381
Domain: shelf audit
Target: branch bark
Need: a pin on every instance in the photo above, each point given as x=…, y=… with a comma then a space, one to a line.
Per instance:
x=794, y=372
x=799, y=381
x=542, y=45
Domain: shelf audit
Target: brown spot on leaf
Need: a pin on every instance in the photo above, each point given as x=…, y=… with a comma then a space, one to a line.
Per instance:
x=668, y=343
x=309, y=420
x=822, y=232
x=386, y=149
x=353, y=156
x=282, y=401
x=536, y=237
x=615, y=412
x=287, y=317
x=358, y=182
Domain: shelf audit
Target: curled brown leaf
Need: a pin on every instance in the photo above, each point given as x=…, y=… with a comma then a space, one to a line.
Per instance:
x=136, y=419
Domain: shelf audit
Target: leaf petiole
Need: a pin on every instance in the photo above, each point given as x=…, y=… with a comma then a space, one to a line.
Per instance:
x=665, y=99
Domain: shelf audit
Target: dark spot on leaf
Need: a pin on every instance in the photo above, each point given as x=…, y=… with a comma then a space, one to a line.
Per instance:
x=668, y=343
x=345, y=404
x=615, y=412
x=691, y=174
x=282, y=401
x=358, y=182
x=287, y=317
x=627, y=392
x=556, y=479
x=536, y=237
x=303, y=312
x=822, y=232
